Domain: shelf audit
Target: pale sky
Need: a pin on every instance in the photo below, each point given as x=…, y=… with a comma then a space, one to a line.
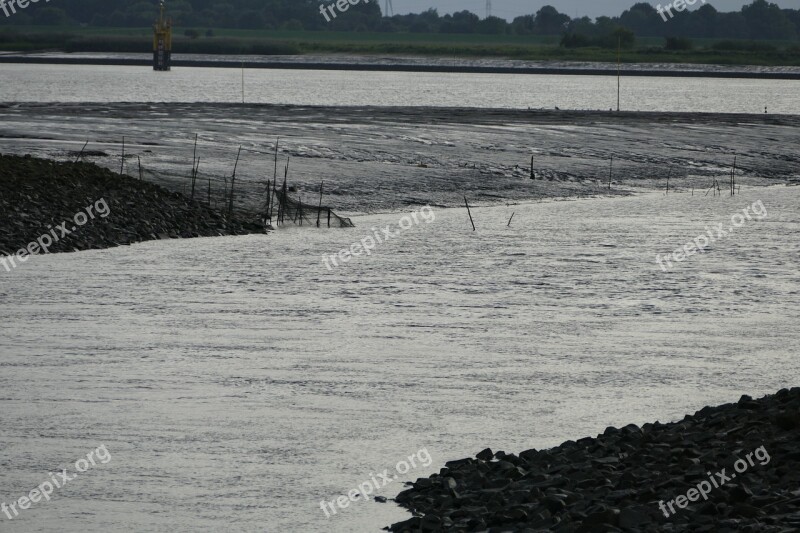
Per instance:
x=509, y=9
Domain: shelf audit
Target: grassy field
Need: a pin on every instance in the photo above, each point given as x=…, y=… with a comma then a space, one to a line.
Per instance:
x=287, y=42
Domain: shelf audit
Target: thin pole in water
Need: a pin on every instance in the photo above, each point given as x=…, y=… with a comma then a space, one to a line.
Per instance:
x=82, y=149
x=469, y=213
x=509, y=220
x=319, y=209
x=242, y=81
x=668, y=175
x=233, y=182
x=195, y=164
x=122, y=160
x=194, y=177
x=300, y=208
x=275, y=180
x=269, y=201
x=275, y=175
x=619, y=47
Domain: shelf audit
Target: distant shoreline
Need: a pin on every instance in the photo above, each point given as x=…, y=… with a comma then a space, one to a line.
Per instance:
x=403, y=67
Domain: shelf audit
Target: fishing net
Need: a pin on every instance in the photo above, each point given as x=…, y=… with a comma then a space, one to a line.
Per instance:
x=282, y=210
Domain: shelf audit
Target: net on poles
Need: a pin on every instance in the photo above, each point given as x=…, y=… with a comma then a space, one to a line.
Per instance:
x=286, y=210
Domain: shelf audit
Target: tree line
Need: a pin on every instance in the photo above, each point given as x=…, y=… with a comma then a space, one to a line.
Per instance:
x=758, y=20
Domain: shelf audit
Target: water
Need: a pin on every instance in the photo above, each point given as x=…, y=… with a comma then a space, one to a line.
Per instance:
x=236, y=382
x=82, y=83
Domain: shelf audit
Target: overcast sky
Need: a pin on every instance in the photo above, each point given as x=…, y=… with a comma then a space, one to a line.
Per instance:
x=509, y=9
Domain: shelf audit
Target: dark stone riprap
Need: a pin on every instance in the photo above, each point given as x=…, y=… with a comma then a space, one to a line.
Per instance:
x=615, y=482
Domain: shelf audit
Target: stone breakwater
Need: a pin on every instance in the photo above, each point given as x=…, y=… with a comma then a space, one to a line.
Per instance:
x=38, y=194
x=615, y=482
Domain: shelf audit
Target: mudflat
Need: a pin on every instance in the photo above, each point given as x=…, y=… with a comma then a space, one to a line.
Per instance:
x=386, y=159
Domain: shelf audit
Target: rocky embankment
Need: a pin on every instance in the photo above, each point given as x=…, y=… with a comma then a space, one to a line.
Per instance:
x=41, y=198
x=735, y=467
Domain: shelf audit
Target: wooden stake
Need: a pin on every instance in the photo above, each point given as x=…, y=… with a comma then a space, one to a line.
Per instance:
x=277, y=195
x=266, y=204
x=274, y=196
x=122, y=161
x=509, y=220
x=533, y=176
x=299, y=210
x=469, y=213
x=233, y=181
x=282, y=202
x=194, y=178
x=275, y=175
x=668, y=175
x=619, y=48
x=610, y=171
x=319, y=209
x=140, y=167
x=274, y=180
x=194, y=165
x=285, y=198
x=80, y=155
x=715, y=187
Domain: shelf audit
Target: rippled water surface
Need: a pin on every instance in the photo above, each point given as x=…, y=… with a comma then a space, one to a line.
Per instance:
x=82, y=83
x=237, y=382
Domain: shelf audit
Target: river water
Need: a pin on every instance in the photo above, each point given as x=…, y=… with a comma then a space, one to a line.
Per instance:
x=84, y=83
x=237, y=382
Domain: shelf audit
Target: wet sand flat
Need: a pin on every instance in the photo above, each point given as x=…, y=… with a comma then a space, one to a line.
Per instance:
x=387, y=159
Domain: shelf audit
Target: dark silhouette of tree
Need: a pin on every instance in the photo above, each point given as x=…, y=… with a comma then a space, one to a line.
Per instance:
x=549, y=21
x=758, y=20
x=643, y=20
x=460, y=22
x=767, y=21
